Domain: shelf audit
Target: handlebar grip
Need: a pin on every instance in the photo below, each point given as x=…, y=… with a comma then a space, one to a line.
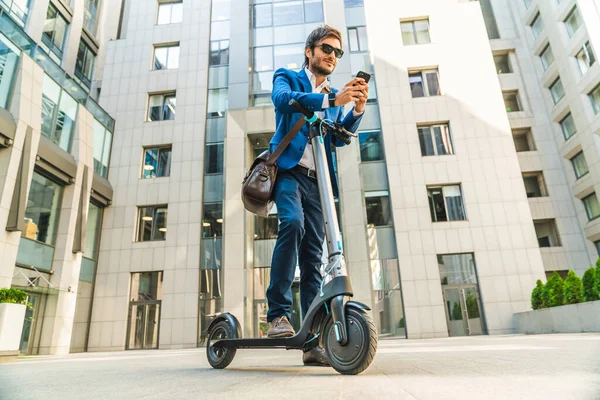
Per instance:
x=300, y=108
x=342, y=137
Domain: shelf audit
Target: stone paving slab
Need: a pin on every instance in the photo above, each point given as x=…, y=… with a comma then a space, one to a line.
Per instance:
x=565, y=366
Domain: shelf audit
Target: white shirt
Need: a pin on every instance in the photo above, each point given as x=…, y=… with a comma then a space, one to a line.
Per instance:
x=308, y=158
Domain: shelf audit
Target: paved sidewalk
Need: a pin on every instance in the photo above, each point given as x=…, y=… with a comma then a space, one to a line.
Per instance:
x=497, y=367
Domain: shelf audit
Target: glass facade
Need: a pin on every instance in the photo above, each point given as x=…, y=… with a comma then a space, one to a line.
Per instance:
x=55, y=31
x=9, y=61
x=17, y=9
x=90, y=13
x=279, y=31
x=102, y=149
x=92, y=242
x=84, y=67
x=152, y=223
x=41, y=223
x=59, y=112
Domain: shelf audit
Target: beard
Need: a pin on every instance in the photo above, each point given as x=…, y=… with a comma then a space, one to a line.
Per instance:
x=322, y=69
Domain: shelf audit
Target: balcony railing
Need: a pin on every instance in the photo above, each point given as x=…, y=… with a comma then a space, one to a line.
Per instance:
x=16, y=35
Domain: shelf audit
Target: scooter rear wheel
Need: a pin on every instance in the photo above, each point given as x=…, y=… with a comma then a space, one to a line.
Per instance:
x=358, y=353
x=220, y=357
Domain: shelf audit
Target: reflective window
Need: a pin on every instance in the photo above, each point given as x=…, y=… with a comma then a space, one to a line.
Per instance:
x=84, y=66
x=17, y=9
x=387, y=297
x=573, y=21
x=146, y=286
x=446, y=203
x=537, y=26
x=266, y=228
x=157, y=162
x=435, y=140
x=579, y=165
x=511, y=102
x=9, y=61
x=595, y=99
x=489, y=19
x=557, y=90
x=152, y=223
x=166, y=57
x=567, y=125
x=592, y=208
x=379, y=212
x=415, y=32
x=90, y=12
x=424, y=83
x=161, y=107
x=547, y=57
x=502, y=64
x=219, y=52
x=217, y=102
x=585, y=58
x=170, y=13
x=43, y=210
x=102, y=149
x=457, y=269
x=214, y=158
x=371, y=146
x=354, y=3
x=357, y=39
x=220, y=10
x=92, y=231
x=212, y=221
x=54, y=32
x=59, y=111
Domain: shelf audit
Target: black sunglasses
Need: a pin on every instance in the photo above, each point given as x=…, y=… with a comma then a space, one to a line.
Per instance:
x=327, y=49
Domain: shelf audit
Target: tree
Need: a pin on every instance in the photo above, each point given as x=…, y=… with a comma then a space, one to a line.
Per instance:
x=554, y=287
x=538, y=300
x=589, y=289
x=573, y=289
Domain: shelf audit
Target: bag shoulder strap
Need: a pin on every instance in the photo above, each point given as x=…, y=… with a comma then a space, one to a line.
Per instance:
x=285, y=142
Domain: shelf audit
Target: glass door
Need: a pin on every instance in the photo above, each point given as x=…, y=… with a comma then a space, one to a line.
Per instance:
x=28, y=325
x=144, y=322
x=463, y=310
x=454, y=312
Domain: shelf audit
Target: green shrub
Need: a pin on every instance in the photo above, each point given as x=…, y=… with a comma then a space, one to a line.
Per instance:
x=554, y=288
x=597, y=282
x=589, y=289
x=14, y=296
x=598, y=262
x=538, y=299
x=573, y=289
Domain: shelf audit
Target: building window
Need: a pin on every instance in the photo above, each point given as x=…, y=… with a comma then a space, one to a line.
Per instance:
x=511, y=102
x=424, y=83
x=41, y=222
x=59, y=112
x=84, y=66
x=213, y=163
x=161, y=107
x=166, y=57
x=152, y=223
x=502, y=64
x=219, y=52
x=567, y=125
x=353, y=3
x=371, y=146
x=212, y=221
x=573, y=22
x=17, y=9
x=557, y=90
x=102, y=148
x=547, y=57
x=357, y=38
x=266, y=228
x=489, y=19
x=157, y=162
x=287, y=13
x=415, y=32
x=592, y=208
x=534, y=184
x=537, y=26
x=54, y=33
x=446, y=203
x=585, y=58
x=379, y=212
x=457, y=269
x=579, y=165
x=90, y=12
x=10, y=55
x=170, y=13
x=595, y=99
x=523, y=140
x=547, y=233
x=217, y=102
x=435, y=140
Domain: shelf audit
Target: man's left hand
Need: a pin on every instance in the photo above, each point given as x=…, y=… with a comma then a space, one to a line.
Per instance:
x=359, y=83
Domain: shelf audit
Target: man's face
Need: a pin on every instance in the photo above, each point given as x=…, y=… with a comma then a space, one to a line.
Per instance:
x=320, y=62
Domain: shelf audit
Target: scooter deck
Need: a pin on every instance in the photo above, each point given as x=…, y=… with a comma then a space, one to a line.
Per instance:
x=293, y=342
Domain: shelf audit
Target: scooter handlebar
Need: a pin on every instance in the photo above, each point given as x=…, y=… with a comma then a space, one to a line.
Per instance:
x=300, y=108
x=336, y=129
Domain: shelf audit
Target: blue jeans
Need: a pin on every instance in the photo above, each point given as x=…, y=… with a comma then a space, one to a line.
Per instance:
x=299, y=239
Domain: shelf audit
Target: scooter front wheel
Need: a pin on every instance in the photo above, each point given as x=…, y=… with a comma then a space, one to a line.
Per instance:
x=356, y=356
x=220, y=357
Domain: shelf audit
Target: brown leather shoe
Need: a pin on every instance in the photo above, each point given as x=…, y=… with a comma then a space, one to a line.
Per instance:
x=316, y=357
x=280, y=327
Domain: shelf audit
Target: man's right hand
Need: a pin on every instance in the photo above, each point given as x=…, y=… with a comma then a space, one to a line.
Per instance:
x=353, y=91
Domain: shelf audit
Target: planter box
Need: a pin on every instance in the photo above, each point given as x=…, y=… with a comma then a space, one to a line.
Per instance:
x=574, y=318
x=11, y=326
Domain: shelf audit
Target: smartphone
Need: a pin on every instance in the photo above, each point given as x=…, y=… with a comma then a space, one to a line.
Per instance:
x=364, y=75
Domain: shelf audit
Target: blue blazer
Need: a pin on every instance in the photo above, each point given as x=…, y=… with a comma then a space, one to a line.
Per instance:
x=287, y=85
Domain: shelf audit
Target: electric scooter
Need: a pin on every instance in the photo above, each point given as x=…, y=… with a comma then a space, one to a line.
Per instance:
x=343, y=328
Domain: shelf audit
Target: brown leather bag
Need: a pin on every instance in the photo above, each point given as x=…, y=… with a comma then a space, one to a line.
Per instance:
x=257, y=187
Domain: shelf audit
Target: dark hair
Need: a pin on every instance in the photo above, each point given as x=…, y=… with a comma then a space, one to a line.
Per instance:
x=317, y=35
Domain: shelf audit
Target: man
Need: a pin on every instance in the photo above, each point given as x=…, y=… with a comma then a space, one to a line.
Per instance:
x=301, y=226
